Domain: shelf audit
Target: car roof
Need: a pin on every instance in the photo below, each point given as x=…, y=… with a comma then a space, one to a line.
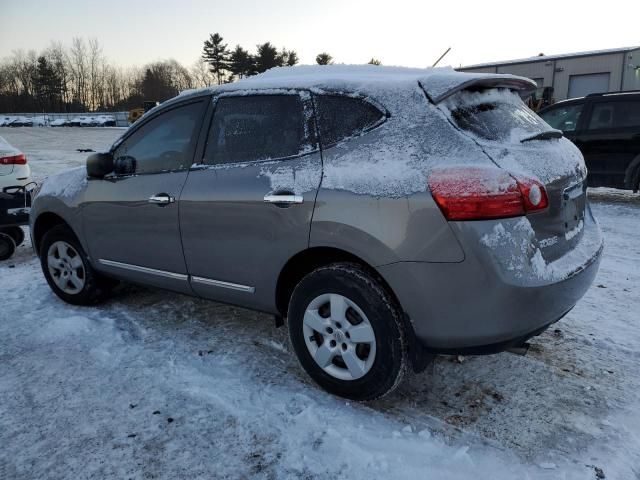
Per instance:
x=592, y=97
x=439, y=83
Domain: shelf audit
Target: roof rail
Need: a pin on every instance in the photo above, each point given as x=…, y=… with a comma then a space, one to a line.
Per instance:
x=609, y=93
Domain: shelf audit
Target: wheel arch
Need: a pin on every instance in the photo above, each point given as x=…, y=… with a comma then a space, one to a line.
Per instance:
x=42, y=224
x=306, y=261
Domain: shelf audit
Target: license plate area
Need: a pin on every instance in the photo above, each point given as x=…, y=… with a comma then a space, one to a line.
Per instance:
x=574, y=200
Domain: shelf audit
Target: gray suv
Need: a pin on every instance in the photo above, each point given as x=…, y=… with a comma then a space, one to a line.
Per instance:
x=388, y=214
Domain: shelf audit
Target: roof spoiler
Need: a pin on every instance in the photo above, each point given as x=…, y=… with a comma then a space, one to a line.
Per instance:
x=440, y=86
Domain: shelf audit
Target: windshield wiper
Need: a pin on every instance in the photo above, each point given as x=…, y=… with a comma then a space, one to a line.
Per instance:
x=546, y=135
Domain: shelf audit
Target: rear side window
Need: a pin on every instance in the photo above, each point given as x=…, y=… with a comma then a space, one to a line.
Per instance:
x=496, y=114
x=341, y=117
x=161, y=144
x=615, y=115
x=256, y=127
x=563, y=117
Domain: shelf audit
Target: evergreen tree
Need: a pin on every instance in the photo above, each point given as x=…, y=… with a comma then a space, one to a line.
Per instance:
x=47, y=85
x=374, y=61
x=267, y=57
x=324, y=59
x=241, y=63
x=216, y=54
x=288, y=58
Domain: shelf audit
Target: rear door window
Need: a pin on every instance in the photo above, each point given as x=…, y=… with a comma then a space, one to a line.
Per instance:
x=161, y=144
x=620, y=114
x=257, y=127
x=341, y=117
x=563, y=117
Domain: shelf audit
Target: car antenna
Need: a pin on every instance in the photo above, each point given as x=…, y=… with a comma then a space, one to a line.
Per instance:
x=441, y=57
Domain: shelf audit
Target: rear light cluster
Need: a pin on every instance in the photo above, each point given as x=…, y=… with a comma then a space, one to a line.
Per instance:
x=20, y=159
x=478, y=193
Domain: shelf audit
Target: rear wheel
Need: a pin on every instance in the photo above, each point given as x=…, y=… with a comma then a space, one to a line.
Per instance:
x=347, y=332
x=68, y=271
x=7, y=246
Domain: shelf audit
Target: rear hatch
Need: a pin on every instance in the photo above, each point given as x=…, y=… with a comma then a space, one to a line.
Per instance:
x=520, y=142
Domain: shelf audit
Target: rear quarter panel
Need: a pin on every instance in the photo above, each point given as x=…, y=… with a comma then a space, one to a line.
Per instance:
x=374, y=200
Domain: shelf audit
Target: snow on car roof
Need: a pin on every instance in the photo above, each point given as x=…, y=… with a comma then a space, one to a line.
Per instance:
x=439, y=83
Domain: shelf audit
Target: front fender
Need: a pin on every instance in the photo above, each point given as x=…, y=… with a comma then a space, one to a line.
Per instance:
x=59, y=198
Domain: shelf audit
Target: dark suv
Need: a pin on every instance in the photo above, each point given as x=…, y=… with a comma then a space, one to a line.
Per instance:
x=606, y=129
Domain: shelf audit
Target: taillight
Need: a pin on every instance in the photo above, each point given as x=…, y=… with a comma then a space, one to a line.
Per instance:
x=477, y=193
x=20, y=159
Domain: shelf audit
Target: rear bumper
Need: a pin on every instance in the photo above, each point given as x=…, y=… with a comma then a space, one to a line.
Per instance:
x=18, y=177
x=493, y=299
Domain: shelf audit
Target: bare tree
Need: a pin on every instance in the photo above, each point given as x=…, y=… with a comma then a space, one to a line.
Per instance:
x=95, y=72
x=201, y=75
x=77, y=63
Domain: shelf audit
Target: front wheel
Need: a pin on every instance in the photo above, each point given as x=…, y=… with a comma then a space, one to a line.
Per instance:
x=347, y=332
x=68, y=271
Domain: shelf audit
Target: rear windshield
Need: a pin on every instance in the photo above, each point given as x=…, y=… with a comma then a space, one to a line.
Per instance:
x=497, y=114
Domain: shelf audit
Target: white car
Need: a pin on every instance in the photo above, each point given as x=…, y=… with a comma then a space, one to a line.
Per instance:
x=14, y=169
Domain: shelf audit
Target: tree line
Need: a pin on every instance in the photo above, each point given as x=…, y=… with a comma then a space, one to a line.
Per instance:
x=79, y=77
x=228, y=65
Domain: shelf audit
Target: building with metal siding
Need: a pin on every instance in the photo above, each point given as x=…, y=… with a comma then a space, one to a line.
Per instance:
x=575, y=74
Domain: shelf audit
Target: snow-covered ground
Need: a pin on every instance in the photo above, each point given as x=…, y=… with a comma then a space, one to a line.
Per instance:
x=157, y=385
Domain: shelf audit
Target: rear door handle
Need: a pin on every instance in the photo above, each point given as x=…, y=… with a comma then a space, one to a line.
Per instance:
x=161, y=199
x=283, y=199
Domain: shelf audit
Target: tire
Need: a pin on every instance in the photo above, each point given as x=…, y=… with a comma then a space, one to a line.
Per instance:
x=7, y=246
x=16, y=233
x=328, y=308
x=67, y=269
x=632, y=175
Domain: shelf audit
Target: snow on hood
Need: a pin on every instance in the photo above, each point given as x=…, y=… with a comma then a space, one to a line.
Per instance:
x=65, y=184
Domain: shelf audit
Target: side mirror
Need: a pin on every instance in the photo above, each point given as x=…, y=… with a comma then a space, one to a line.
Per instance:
x=99, y=164
x=125, y=165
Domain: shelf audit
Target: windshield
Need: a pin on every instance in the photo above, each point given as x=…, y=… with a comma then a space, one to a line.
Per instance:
x=497, y=115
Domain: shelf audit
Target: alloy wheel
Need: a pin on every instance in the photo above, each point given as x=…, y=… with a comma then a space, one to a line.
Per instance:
x=66, y=267
x=339, y=336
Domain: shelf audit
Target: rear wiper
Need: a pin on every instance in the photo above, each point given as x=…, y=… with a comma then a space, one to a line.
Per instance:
x=546, y=135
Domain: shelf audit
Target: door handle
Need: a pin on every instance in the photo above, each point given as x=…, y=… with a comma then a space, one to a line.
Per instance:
x=161, y=199
x=283, y=198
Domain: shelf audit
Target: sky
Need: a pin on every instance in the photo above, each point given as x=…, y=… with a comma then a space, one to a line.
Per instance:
x=397, y=32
